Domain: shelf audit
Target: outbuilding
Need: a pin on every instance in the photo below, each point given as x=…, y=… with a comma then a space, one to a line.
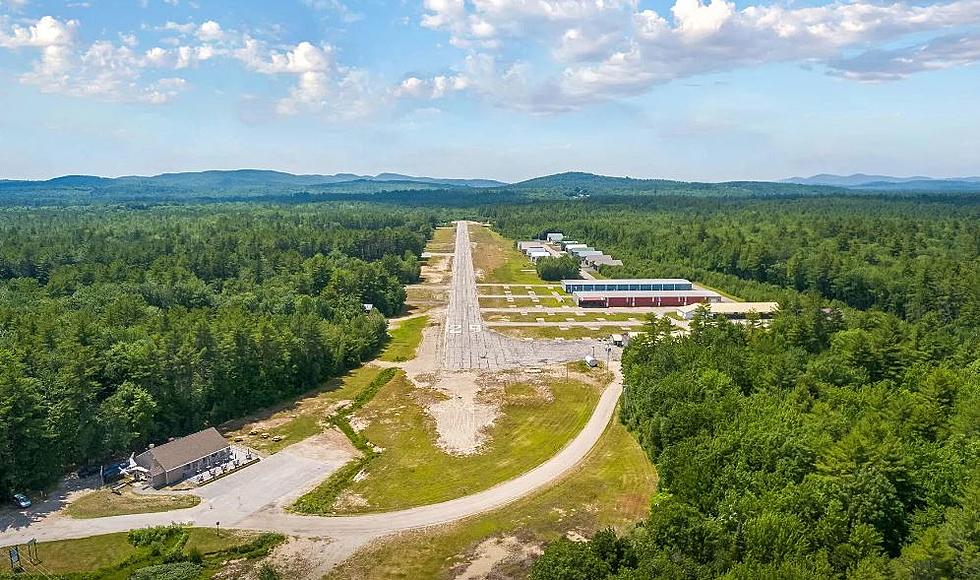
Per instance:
x=638, y=299
x=733, y=310
x=627, y=285
x=181, y=458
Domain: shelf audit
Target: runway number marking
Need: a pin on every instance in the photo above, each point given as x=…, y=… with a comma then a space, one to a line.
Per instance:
x=475, y=328
x=455, y=329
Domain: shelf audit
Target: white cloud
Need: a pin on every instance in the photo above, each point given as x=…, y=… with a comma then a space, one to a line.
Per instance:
x=102, y=69
x=13, y=4
x=605, y=49
x=895, y=64
x=210, y=31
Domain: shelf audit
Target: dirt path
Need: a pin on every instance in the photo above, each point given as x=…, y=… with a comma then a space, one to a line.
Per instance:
x=254, y=497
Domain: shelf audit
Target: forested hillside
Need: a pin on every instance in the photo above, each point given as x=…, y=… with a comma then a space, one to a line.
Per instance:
x=842, y=441
x=914, y=258
x=120, y=327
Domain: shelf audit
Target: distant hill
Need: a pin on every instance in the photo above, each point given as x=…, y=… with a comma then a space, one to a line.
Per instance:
x=578, y=184
x=890, y=183
x=221, y=184
x=257, y=184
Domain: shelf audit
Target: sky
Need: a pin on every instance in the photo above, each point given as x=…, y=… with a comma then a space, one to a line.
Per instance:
x=706, y=90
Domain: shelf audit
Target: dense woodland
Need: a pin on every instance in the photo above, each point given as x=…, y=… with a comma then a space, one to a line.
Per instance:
x=843, y=440
x=120, y=327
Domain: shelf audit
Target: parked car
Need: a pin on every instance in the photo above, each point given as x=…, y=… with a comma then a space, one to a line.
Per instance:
x=22, y=500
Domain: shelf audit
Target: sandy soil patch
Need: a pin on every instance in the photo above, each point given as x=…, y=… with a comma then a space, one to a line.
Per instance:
x=464, y=416
x=302, y=558
x=438, y=270
x=495, y=551
x=331, y=445
x=348, y=500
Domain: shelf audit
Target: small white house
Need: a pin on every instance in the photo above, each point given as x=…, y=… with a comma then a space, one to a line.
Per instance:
x=555, y=237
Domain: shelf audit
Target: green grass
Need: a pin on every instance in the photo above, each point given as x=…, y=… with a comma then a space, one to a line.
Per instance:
x=722, y=292
x=498, y=289
x=443, y=240
x=321, y=499
x=405, y=339
x=552, y=332
x=413, y=471
x=526, y=302
x=304, y=416
x=610, y=488
x=498, y=261
x=103, y=503
x=559, y=317
x=294, y=431
x=113, y=557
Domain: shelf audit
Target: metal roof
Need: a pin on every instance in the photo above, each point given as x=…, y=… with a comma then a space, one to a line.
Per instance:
x=642, y=293
x=631, y=281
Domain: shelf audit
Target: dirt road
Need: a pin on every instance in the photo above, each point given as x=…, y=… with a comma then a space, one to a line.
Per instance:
x=254, y=497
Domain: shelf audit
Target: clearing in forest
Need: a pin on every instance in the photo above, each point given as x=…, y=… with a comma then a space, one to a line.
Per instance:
x=531, y=418
x=496, y=260
x=610, y=488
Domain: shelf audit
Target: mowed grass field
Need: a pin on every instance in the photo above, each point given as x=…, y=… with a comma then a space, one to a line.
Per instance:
x=443, y=240
x=612, y=487
x=405, y=339
x=497, y=260
x=553, y=332
x=300, y=418
x=561, y=317
x=520, y=289
x=103, y=503
x=95, y=552
x=414, y=471
x=526, y=302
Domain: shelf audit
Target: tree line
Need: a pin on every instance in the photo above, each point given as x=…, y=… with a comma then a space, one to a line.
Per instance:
x=121, y=327
x=839, y=441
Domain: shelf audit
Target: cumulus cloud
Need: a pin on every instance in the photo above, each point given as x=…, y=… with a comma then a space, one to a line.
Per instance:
x=101, y=69
x=610, y=48
x=210, y=31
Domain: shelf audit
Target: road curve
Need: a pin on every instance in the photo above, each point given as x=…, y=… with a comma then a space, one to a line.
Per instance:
x=348, y=532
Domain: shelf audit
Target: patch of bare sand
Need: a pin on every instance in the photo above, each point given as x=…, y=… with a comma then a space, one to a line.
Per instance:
x=348, y=500
x=302, y=558
x=463, y=417
x=494, y=551
x=331, y=445
x=437, y=270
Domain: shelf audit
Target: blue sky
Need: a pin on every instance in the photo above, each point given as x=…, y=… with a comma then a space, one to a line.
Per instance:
x=509, y=89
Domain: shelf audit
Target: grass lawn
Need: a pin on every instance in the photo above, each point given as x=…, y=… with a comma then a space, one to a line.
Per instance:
x=559, y=317
x=526, y=302
x=722, y=292
x=103, y=503
x=573, y=332
x=413, y=471
x=424, y=294
x=443, y=240
x=497, y=260
x=109, y=552
x=516, y=289
x=300, y=418
x=610, y=488
x=405, y=339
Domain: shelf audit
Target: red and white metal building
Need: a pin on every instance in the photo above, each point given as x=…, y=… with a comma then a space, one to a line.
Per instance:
x=642, y=298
